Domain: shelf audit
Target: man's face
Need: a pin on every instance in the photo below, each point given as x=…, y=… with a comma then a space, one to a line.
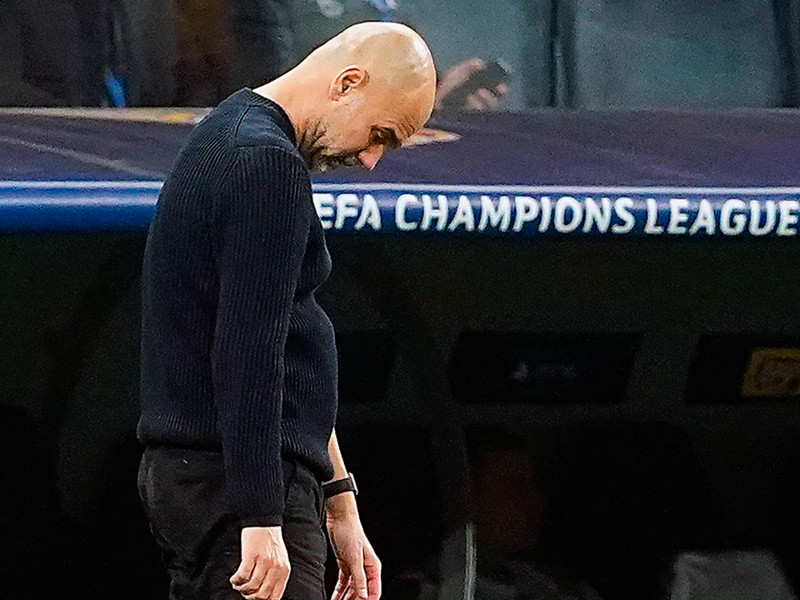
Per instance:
x=507, y=503
x=358, y=128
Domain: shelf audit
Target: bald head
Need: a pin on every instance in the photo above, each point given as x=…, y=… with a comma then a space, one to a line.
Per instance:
x=389, y=51
x=362, y=92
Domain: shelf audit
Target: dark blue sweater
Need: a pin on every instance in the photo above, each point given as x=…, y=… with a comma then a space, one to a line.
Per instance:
x=237, y=356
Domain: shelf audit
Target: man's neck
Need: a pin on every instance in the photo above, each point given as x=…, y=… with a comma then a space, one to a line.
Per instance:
x=287, y=95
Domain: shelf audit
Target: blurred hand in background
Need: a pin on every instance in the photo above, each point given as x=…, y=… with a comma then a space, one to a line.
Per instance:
x=479, y=99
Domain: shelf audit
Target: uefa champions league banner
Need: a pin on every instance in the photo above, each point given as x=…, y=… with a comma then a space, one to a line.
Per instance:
x=511, y=212
x=502, y=175
x=531, y=212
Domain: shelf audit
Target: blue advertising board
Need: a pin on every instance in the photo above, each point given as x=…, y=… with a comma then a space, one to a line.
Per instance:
x=508, y=175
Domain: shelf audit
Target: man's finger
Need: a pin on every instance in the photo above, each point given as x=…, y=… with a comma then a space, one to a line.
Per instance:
x=473, y=102
x=359, y=579
x=374, y=588
x=347, y=592
x=257, y=577
x=242, y=574
x=276, y=583
x=341, y=586
x=486, y=98
x=473, y=65
x=373, y=571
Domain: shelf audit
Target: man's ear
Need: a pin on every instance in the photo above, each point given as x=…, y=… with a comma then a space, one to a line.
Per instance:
x=348, y=79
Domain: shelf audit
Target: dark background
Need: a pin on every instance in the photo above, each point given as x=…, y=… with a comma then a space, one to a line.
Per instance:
x=405, y=311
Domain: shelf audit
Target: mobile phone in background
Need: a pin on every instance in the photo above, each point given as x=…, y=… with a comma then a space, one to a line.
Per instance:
x=493, y=74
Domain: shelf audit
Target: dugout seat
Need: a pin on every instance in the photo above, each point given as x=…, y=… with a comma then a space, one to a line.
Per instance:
x=675, y=53
x=624, y=500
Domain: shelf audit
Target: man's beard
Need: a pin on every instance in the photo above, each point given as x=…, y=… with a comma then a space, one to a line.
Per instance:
x=317, y=155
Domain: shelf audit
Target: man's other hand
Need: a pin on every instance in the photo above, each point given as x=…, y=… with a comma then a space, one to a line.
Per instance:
x=480, y=99
x=264, y=570
x=359, y=566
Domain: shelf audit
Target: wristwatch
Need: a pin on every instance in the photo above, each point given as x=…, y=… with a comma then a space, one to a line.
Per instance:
x=340, y=486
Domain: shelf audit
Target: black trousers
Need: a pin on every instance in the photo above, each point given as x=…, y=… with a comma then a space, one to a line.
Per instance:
x=183, y=493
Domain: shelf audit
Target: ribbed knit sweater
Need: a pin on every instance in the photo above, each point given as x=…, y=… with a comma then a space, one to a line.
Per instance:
x=237, y=356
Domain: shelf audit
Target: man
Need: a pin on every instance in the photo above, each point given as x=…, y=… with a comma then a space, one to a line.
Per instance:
x=317, y=20
x=238, y=359
x=281, y=33
x=506, y=508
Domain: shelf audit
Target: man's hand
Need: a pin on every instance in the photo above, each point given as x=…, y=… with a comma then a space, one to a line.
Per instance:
x=264, y=570
x=480, y=99
x=359, y=567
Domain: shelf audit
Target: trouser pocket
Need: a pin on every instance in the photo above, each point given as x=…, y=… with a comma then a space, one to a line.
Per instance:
x=304, y=536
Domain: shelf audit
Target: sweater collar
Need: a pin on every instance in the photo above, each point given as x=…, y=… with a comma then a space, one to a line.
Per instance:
x=249, y=96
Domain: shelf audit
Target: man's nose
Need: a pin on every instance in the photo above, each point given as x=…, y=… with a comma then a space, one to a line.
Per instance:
x=369, y=157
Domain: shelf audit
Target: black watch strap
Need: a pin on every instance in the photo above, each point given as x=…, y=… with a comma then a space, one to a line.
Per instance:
x=340, y=486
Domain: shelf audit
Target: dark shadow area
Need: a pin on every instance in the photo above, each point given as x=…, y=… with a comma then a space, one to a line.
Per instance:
x=39, y=546
x=786, y=519
x=125, y=553
x=507, y=506
x=625, y=499
x=400, y=503
x=366, y=359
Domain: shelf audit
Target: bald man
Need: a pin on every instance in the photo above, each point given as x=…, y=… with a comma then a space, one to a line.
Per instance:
x=238, y=386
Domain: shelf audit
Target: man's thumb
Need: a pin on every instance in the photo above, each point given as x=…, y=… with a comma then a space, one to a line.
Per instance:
x=242, y=575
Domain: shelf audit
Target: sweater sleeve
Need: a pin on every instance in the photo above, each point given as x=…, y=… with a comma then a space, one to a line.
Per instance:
x=261, y=225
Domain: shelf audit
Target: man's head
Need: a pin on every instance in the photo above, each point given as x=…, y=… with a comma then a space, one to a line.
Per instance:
x=361, y=93
x=505, y=500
